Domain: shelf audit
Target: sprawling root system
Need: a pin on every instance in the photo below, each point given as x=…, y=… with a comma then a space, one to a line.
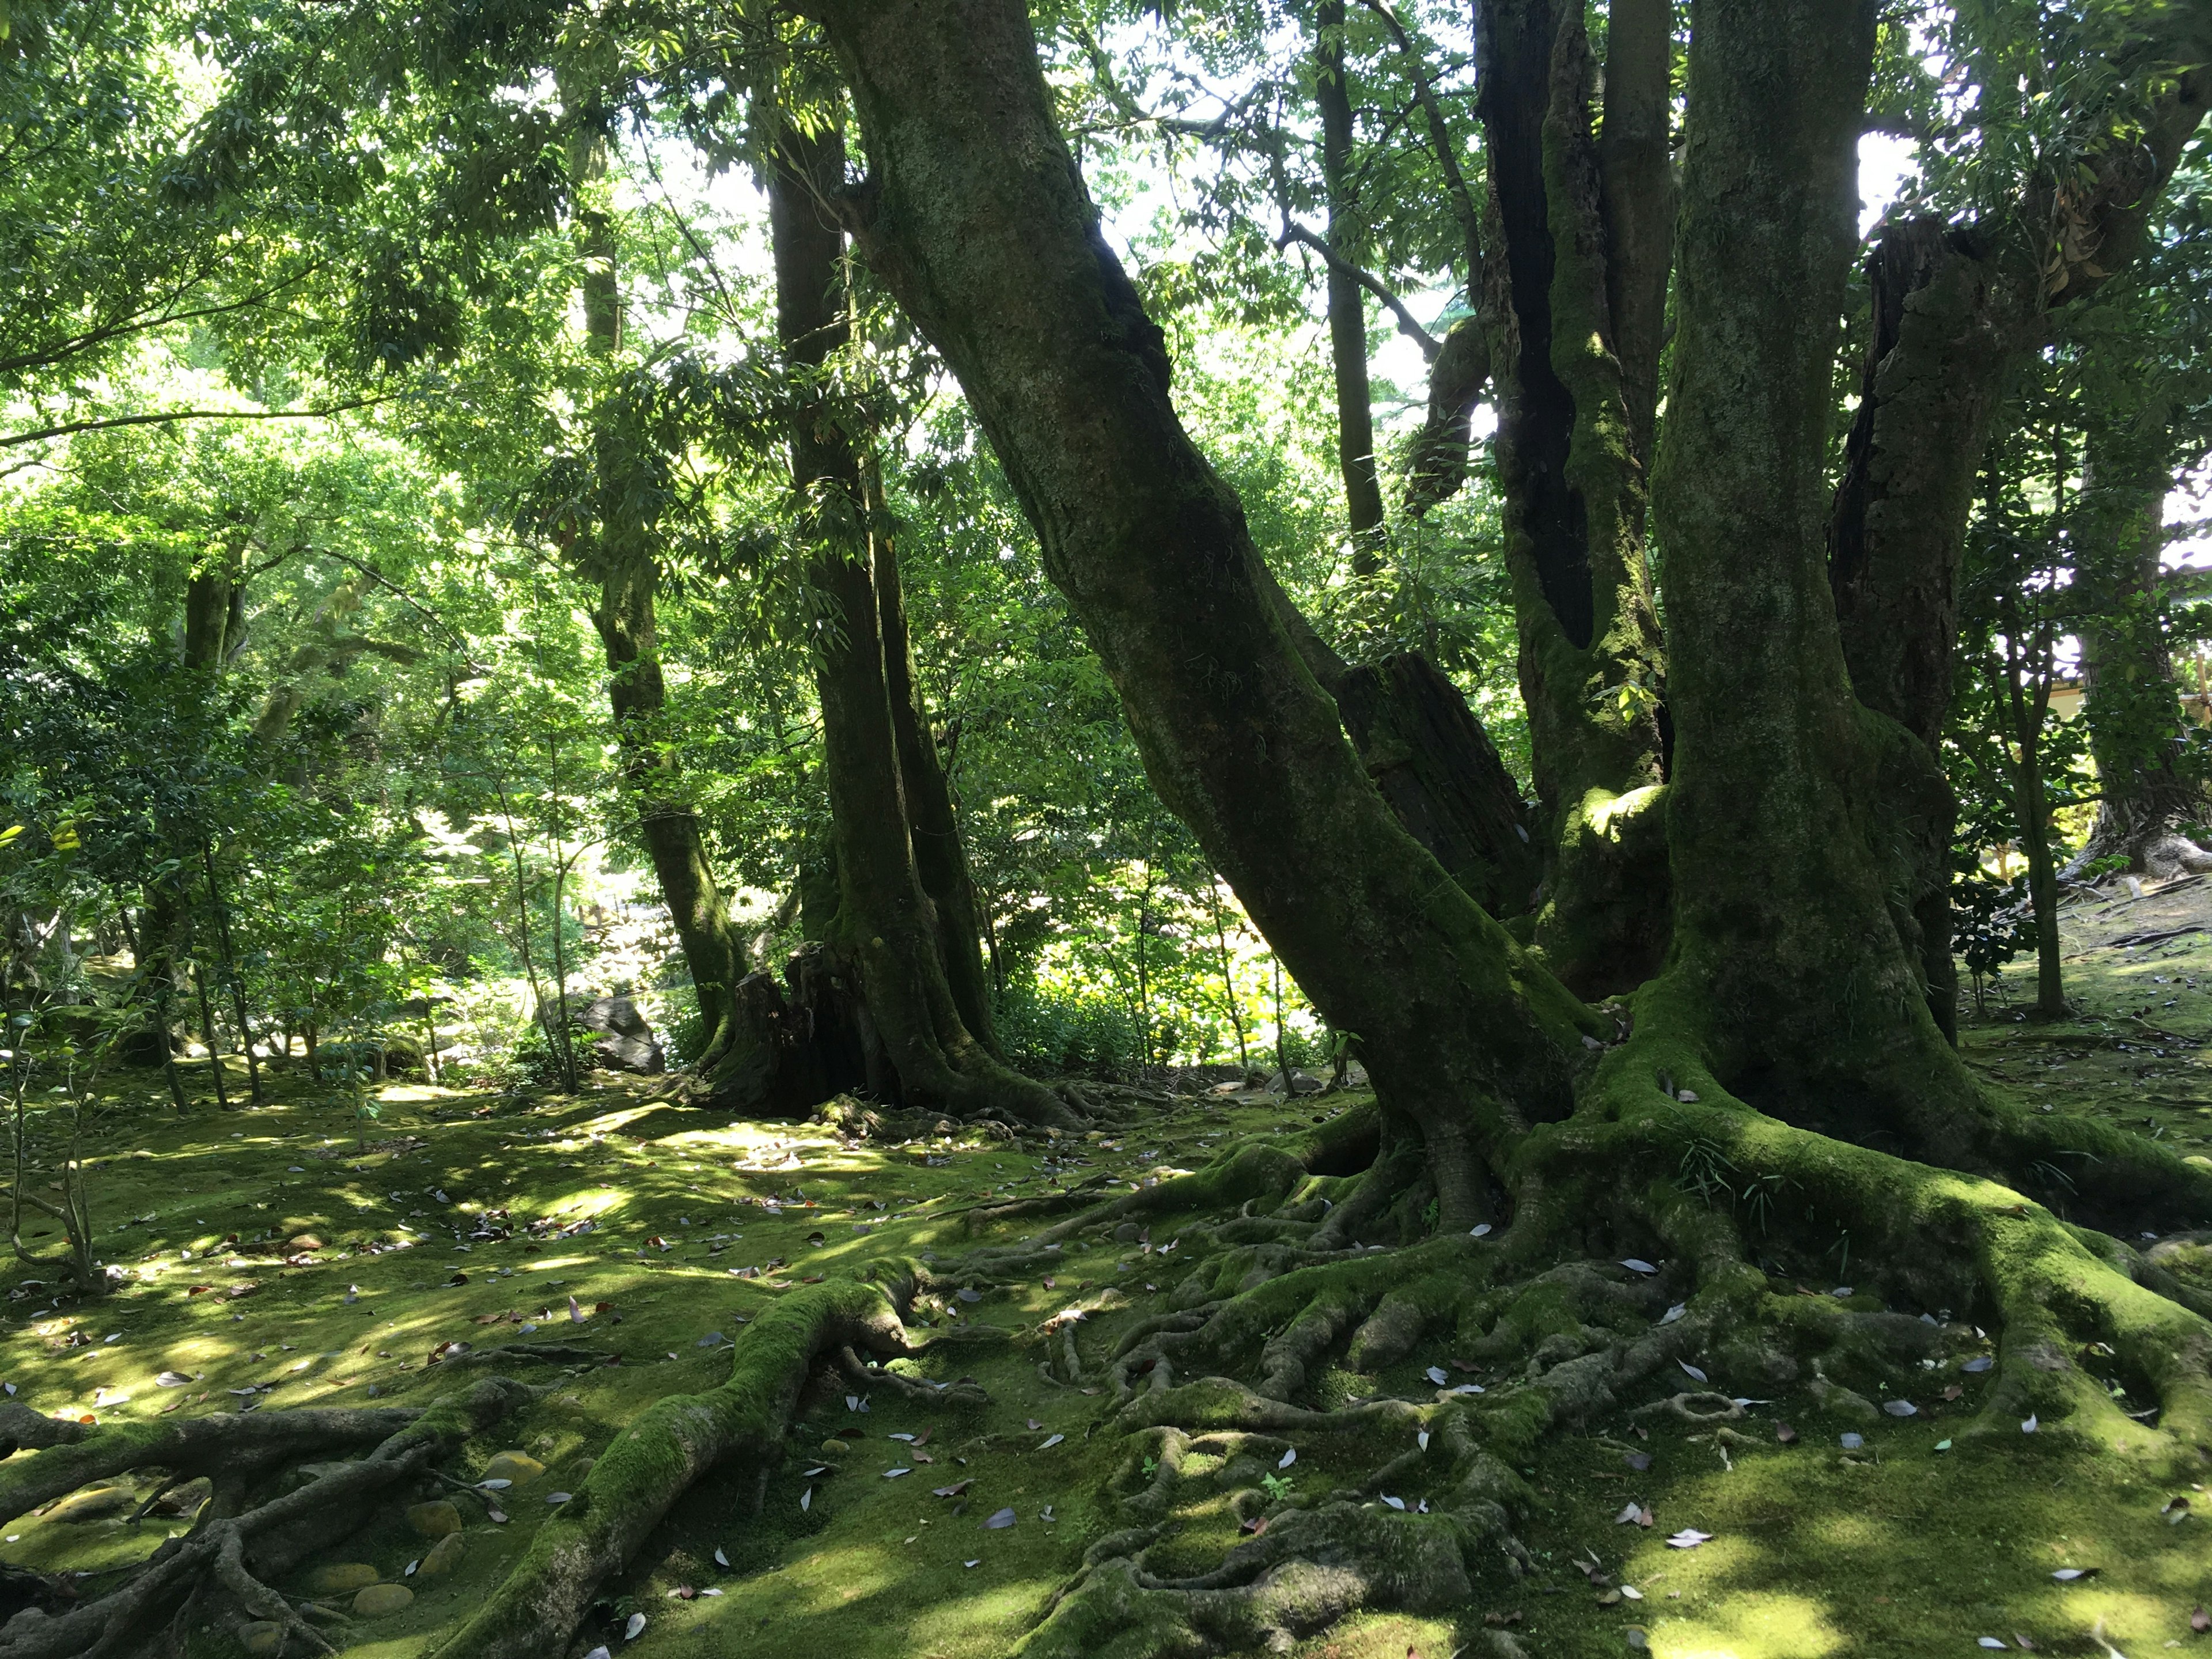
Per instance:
x=1650, y=1267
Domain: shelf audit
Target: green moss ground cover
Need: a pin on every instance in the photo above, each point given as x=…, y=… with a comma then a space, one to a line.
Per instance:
x=1901, y=1546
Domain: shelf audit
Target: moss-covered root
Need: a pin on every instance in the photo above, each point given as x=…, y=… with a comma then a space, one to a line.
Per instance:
x=240, y=1553
x=2066, y=1298
x=658, y=1457
x=1248, y=1174
x=227, y=1442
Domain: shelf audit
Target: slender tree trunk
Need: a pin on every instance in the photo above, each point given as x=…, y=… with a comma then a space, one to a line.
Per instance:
x=2133, y=705
x=2032, y=807
x=230, y=973
x=622, y=554
x=1572, y=419
x=1347, y=300
x=939, y=860
x=886, y=922
x=1228, y=974
x=976, y=217
x=206, y=1035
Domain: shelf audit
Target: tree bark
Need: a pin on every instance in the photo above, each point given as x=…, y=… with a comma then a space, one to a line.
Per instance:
x=976, y=217
x=887, y=926
x=1785, y=954
x=1570, y=417
x=939, y=858
x=1953, y=309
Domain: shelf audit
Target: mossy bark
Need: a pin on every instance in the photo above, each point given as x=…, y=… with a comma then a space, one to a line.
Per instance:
x=1785, y=950
x=887, y=928
x=1572, y=414
x=976, y=217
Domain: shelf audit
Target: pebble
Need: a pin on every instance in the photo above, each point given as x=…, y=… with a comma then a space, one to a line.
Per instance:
x=381, y=1600
x=520, y=1467
x=262, y=1637
x=1127, y=1233
x=434, y=1519
x=338, y=1576
x=836, y=1446
x=445, y=1555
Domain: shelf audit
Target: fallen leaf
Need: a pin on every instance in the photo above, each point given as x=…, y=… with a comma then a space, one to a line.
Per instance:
x=2199, y=1620
x=1635, y=1266
x=1480, y=1230
x=1627, y=1516
x=954, y=1489
x=2067, y=1575
x=1785, y=1434
x=1052, y=1442
x=1951, y=1391
x=1287, y=1458
x=893, y=1474
x=1673, y=1313
x=1637, y=1461
x=1437, y=1375
x=2030, y=1425
x=1001, y=1520
x=1394, y=1503
x=720, y=1560
x=1688, y=1539
x=1900, y=1408
x=806, y=1500
x=1979, y=1363
x=1691, y=1371
x=631, y=1629
x=172, y=1380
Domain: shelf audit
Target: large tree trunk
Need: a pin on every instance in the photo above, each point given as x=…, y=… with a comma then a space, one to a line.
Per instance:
x=1807, y=1002
x=887, y=929
x=976, y=218
x=1951, y=310
x=1572, y=413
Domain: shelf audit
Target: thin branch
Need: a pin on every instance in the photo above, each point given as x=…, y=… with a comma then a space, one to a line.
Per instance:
x=1294, y=232
x=112, y=420
x=1440, y=140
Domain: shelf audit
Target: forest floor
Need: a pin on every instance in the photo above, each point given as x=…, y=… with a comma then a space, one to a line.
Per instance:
x=871, y=1542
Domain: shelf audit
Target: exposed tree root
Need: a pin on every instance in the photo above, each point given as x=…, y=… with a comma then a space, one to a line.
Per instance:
x=658, y=1457
x=235, y=1552
x=1294, y=1262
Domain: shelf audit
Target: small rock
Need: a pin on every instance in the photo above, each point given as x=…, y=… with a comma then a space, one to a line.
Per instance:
x=434, y=1520
x=1127, y=1233
x=519, y=1468
x=98, y=1504
x=445, y=1555
x=262, y=1637
x=836, y=1446
x=339, y=1576
x=1843, y=1402
x=305, y=1242
x=382, y=1601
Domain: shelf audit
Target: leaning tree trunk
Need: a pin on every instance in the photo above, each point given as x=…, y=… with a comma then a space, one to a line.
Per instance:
x=1953, y=309
x=1571, y=414
x=887, y=928
x=2133, y=706
x=976, y=219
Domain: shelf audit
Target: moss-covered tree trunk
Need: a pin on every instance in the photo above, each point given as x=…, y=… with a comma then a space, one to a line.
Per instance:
x=887, y=926
x=1786, y=960
x=976, y=217
x=941, y=860
x=1575, y=412
x=1953, y=308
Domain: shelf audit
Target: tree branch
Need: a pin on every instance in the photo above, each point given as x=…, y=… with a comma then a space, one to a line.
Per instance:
x=1294, y=232
x=110, y=421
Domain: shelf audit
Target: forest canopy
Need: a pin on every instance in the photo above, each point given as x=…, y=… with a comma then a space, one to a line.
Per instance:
x=1537, y=638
